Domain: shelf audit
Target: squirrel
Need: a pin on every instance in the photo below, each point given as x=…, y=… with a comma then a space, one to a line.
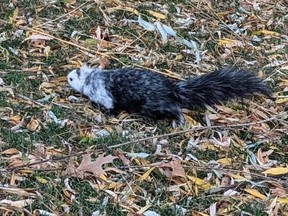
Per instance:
x=155, y=96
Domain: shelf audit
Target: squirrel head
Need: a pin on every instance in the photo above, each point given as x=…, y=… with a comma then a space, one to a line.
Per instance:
x=76, y=78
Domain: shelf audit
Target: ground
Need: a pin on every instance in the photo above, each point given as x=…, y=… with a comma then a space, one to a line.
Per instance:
x=60, y=155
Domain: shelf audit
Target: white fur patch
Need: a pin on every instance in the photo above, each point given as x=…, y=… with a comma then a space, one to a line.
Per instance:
x=99, y=94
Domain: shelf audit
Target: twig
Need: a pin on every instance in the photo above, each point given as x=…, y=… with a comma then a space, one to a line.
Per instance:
x=30, y=100
x=64, y=15
x=45, y=161
x=196, y=129
x=141, y=140
x=69, y=43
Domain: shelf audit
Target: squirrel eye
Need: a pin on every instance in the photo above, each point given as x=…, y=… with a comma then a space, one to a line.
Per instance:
x=71, y=79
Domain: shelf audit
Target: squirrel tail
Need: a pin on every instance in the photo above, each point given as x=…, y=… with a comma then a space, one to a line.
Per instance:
x=219, y=86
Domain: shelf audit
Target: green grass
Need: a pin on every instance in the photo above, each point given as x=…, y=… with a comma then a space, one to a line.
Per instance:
x=16, y=71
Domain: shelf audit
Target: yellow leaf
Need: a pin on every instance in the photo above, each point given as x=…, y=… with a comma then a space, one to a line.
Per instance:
x=116, y=185
x=123, y=115
x=26, y=171
x=283, y=200
x=225, y=161
x=41, y=180
x=276, y=171
x=179, y=57
x=284, y=83
x=130, y=9
x=281, y=101
x=190, y=120
x=157, y=15
x=103, y=177
x=10, y=151
x=255, y=193
x=285, y=67
x=229, y=42
x=14, y=15
x=199, y=182
x=10, y=90
x=32, y=125
x=266, y=32
x=238, y=177
x=146, y=174
x=47, y=51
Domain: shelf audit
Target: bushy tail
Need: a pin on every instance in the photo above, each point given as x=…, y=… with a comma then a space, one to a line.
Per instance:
x=219, y=86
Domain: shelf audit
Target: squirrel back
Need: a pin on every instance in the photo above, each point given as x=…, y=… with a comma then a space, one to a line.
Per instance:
x=153, y=95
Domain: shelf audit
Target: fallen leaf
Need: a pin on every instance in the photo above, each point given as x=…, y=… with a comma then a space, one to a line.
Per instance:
x=87, y=167
x=276, y=171
x=122, y=157
x=146, y=174
x=229, y=42
x=10, y=151
x=205, y=185
x=255, y=193
x=177, y=169
x=283, y=200
x=17, y=204
x=6, y=89
x=41, y=180
x=2, y=81
x=32, y=125
x=225, y=161
x=38, y=37
x=146, y=25
x=157, y=15
x=282, y=101
x=280, y=192
x=103, y=63
x=265, y=32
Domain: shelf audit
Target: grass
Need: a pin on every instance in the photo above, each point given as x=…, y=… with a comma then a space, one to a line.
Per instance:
x=29, y=69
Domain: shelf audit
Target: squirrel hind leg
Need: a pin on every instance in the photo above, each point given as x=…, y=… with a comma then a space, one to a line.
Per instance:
x=179, y=121
x=162, y=110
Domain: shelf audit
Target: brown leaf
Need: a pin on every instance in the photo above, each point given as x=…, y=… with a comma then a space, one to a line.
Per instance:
x=10, y=151
x=71, y=169
x=122, y=157
x=32, y=125
x=280, y=192
x=40, y=152
x=87, y=167
x=175, y=165
x=103, y=63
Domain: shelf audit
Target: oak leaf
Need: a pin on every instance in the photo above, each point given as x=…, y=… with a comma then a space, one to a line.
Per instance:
x=87, y=166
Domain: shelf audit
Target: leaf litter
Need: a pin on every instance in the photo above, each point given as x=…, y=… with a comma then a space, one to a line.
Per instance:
x=152, y=175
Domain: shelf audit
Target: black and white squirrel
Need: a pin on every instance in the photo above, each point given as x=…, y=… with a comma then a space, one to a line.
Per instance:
x=153, y=95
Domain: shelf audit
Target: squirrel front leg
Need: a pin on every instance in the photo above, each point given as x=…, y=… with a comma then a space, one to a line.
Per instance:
x=103, y=109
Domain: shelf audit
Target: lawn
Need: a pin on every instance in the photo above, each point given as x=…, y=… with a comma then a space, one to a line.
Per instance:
x=59, y=155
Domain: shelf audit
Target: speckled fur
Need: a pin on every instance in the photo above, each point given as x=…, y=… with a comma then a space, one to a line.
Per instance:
x=154, y=95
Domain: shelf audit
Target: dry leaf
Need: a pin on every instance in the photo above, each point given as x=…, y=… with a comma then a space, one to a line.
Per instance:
x=279, y=192
x=17, y=204
x=87, y=167
x=146, y=174
x=103, y=63
x=157, y=15
x=122, y=157
x=255, y=193
x=38, y=37
x=2, y=82
x=276, y=171
x=32, y=125
x=10, y=151
x=205, y=185
x=177, y=169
